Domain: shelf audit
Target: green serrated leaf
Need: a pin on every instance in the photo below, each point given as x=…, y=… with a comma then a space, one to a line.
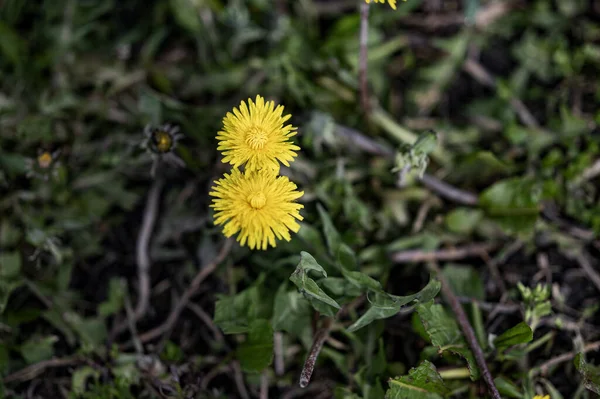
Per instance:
x=291, y=312
x=257, y=352
x=445, y=334
x=519, y=334
x=463, y=220
x=513, y=203
x=116, y=296
x=80, y=377
x=385, y=305
x=233, y=314
x=308, y=262
x=309, y=287
x=38, y=349
x=464, y=281
x=589, y=373
x=331, y=234
x=422, y=382
x=10, y=265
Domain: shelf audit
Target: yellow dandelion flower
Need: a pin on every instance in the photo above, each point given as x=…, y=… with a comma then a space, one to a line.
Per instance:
x=541, y=397
x=255, y=135
x=392, y=3
x=259, y=205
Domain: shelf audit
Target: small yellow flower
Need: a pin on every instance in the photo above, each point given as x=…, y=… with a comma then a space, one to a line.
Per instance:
x=259, y=205
x=392, y=3
x=255, y=135
x=541, y=397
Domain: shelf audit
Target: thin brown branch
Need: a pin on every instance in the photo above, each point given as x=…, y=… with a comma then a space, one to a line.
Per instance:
x=480, y=74
x=206, y=319
x=370, y=146
x=279, y=364
x=362, y=70
x=309, y=364
x=550, y=212
x=31, y=372
x=449, y=192
x=238, y=377
x=264, y=385
x=142, y=256
x=467, y=330
x=588, y=269
x=565, y=357
x=417, y=255
x=202, y=274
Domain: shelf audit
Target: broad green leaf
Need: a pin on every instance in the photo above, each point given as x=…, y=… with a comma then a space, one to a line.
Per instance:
x=80, y=377
x=291, y=313
x=11, y=44
x=362, y=280
x=308, y=262
x=6, y=288
x=519, y=334
x=340, y=287
x=346, y=257
x=307, y=285
x=422, y=382
x=187, y=15
x=257, y=352
x=331, y=234
x=10, y=265
x=38, y=349
x=445, y=334
x=589, y=373
x=463, y=220
x=507, y=388
x=385, y=305
x=234, y=313
x=92, y=331
x=116, y=295
x=464, y=281
x=4, y=359
x=513, y=203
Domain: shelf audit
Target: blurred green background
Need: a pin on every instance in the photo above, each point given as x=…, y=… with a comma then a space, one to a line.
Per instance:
x=509, y=87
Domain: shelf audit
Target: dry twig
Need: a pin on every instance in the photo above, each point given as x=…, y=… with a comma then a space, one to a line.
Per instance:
x=467, y=330
x=417, y=255
x=202, y=274
x=309, y=364
x=31, y=372
x=565, y=357
x=142, y=257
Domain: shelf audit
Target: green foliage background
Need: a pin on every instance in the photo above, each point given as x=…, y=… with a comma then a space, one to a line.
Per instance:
x=511, y=91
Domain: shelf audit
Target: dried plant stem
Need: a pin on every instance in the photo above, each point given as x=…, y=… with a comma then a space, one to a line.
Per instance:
x=143, y=258
x=467, y=330
x=588, y=269
x=202, y=274
x=418, y=255
x=309, y=364
x=31, y=372
x=565, y=357
x=362, y=70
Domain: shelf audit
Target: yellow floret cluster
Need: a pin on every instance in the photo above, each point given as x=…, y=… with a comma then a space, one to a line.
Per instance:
x=257, y=202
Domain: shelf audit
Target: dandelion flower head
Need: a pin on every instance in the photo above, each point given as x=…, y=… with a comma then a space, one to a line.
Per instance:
x=392, y=3
x=541, y=397
x=259, y=205
x=254, y=135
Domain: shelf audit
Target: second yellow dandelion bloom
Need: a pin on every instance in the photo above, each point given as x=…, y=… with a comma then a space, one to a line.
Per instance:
x=392, y=3
x=259, y=205
x=541, y=397
x=255, y=135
